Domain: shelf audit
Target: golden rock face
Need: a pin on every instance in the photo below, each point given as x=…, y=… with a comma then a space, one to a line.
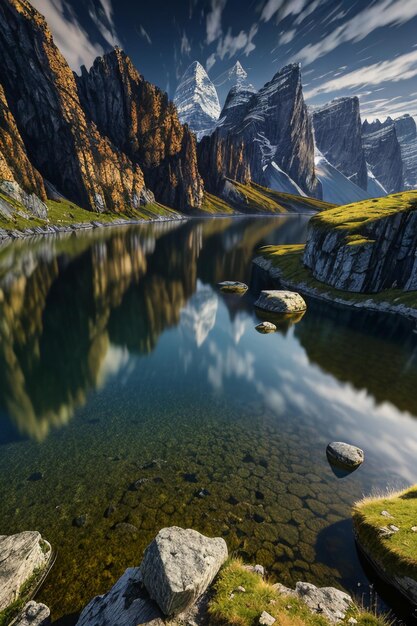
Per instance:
x=141, y=121
x=64, y=146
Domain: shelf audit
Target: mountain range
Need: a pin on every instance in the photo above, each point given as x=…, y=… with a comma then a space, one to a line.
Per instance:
x=110, y=141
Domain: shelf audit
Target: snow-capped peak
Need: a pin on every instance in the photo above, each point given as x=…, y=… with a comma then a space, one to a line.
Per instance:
x=196, y=100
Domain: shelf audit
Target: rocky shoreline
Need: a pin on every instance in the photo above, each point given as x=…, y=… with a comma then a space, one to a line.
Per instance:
x=275, y=278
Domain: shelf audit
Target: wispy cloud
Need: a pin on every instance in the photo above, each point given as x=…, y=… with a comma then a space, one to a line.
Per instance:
x=144, y=34
x=70, y=37
x=102, y=15
x=230, y=45
x=377, y=15
x=286, y=37
x=214, y=20
x=185, y=44
x=401, y=68
x=283, y=8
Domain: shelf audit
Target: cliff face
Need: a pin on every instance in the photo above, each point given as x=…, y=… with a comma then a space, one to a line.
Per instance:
x=366, y=247
x=406, y=130
x=18, y=178
x=42, y=94
x=383, y=154
x=338, y=135
x=270, y=126
x=139, y=119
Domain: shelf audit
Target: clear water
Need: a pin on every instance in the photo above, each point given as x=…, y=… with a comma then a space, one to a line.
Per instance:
x=120, y=361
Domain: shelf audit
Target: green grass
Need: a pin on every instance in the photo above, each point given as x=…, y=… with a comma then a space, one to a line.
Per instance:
x=289, y=261
x=355, y=218
x=396, y=553
x=259, y=199
x=233, y=608
x=214, y=205
x=65, y=213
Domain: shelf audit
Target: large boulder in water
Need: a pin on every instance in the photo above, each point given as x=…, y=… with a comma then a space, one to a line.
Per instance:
x=344, y=455
x=179, y=565
x=22, y=555
x=278, y=301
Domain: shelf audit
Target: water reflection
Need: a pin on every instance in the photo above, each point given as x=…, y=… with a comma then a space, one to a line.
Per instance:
x=68, y=306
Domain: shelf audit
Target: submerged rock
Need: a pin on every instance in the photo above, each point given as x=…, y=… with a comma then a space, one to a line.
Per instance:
x=266, y=327
x=326, y=601
x=232, y=286
x=278, y=301
x=22, y=555
x=344, y=455
x=34, y=614
x=179, y=565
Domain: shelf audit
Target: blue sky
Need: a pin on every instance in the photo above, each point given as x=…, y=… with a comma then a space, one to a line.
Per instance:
x=345, y=47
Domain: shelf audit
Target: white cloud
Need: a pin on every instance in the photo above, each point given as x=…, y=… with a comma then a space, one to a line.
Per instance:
x=287, y=37
x=214, y=20
x=102, y=16
x=382, y=13
x=185, y=44
x=284, y=8
x=230, y=45
x=401, y=68
x=210, y=61
x=144, y=34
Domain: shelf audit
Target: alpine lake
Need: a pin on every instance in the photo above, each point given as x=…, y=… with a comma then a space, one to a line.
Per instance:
x=135, y=395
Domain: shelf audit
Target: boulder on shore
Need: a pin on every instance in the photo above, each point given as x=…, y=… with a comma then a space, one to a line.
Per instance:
x=21, y=556
x=34, y=614
x=344, y=455
x=279, y=301
x=329, y=602
x=179, y=565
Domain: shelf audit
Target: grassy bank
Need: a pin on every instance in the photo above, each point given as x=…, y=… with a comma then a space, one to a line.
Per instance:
x=232, y=607
x=65, y=213
x=287, y=266
x=394, y=550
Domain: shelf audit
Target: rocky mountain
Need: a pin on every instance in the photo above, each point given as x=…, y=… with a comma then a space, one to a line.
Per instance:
x=140, y=120
x=338, y=135
x=383, y=154
x=336, y=187
x=269, y=126
x=197, y=101
x=406, y=130
x=236, y=76
x=61, y=143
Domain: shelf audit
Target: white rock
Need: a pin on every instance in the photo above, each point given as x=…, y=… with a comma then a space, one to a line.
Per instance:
x=344, y=455
x=126, y=604
x=266, y=619
x=232, y=286
x=327, y=601
x=278, y=301
x=21, y=555
x=34, y=614
x=179, y=565
x=386, y=514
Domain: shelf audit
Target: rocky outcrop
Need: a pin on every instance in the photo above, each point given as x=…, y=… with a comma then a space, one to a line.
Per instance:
x=34, y=614
x=197, y=101
x=329, y=602
x=338, y=135
x=383, y=154
x=22, y=555
x=179, y=565
x=140, y=120
x=278, y=301
x=381, y=254
x=42, y=95
x=269, y=126
x=18, y=178
x=234, y=77
x=344, y=455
